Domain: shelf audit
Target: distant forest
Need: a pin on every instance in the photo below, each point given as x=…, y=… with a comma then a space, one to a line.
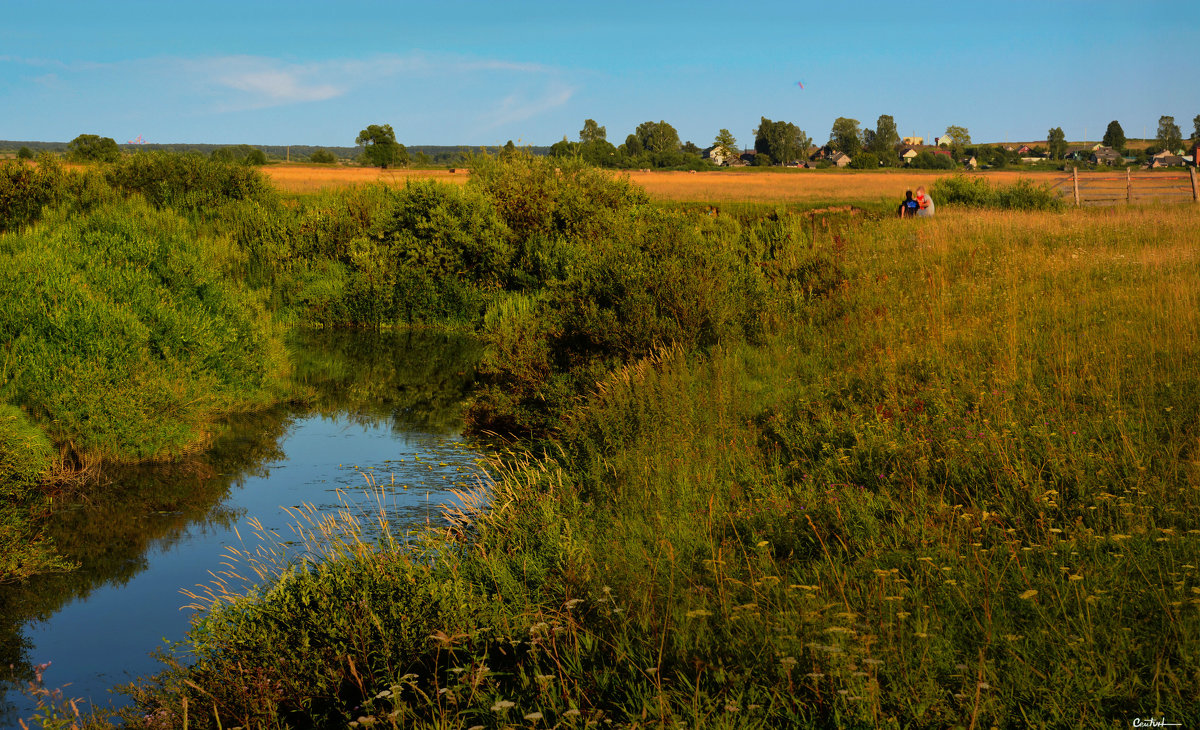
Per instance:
x=433, y=154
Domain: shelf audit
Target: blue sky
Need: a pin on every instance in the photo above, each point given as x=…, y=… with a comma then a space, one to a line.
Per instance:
x=457, y=72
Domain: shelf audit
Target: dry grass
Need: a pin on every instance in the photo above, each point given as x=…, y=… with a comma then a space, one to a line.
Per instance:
x=721, y=186
x=311, y=178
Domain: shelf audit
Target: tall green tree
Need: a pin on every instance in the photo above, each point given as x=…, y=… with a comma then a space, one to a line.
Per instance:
x=1056, y=143
x=93, y=148
x=1114, y=136
x=884, y=139
x=633, y=145
x=380, y=147
x=845, y=136
x=657, y=137
x=1196, y=128
x=959, y=136
x=1169, y=137
x=783, y=142
x=24, y=153
x=592, y=132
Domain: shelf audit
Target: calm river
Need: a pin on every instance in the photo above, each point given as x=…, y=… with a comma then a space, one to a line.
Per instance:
x=385, y=405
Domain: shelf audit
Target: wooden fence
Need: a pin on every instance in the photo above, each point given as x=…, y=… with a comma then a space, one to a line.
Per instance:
x=1111, y=188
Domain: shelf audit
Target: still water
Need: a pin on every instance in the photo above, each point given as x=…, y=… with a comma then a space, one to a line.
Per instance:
x=384, y=406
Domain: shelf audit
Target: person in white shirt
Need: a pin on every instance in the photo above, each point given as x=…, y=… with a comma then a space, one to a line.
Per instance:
x=924, y=202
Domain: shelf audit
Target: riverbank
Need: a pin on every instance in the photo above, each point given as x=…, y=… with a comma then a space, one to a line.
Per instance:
x=781, y=471
x=953, y=487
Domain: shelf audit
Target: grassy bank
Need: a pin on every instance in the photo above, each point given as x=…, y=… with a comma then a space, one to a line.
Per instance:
x=891, y=473
x=128, y=328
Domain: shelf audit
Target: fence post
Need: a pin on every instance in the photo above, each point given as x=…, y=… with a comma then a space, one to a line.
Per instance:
x=1128, y=187
x=1195, y=190
x=1075, y=179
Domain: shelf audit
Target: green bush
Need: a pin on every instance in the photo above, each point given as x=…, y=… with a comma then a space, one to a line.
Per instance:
x=865, y=161
x=93, y=148
x=242, y=154
x=124, y=333
x=25, y=454
x=188, y=182
x=323, y=157
x=26, y=189
x=978, y=192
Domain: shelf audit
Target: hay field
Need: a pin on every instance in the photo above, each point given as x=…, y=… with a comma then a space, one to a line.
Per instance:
x=311, y=178
x=717, y=186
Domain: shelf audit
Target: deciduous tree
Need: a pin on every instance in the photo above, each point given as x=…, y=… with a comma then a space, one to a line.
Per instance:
x=1196, y=128
x=884, y=139
x=1169, y=137
x=657, y=137
x=1056, y=143
x=845, y=136
x=380, y=147
x=959, y=136
x=93, y=148
x=783, y=142
x=592, y=132
x=725, y=145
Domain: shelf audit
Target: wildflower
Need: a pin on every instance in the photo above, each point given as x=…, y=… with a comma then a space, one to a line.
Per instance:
x=572, y=712
x=731, y=708
x=502, y=705
x=1076, y=576
x=534, y=716
x=1028, y=594
x=698, y=612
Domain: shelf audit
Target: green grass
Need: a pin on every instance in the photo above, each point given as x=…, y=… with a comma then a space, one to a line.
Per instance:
x=948, y=484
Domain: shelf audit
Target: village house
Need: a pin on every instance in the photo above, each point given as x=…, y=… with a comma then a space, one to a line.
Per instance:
x=840, y=159
x=1165, y=159
x=913, y=141
x=971, y=162
x=719, y=155
x=1105, y=156
x=908, y=155
x=944, y=141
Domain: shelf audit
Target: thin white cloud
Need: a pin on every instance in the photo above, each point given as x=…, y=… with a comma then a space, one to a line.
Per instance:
x=519, y=107
x=280, y=86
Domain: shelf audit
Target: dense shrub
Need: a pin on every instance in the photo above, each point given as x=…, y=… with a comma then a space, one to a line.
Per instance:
x=865, y=161
x=553, y=196
x=26, y=189
x=124, y=333
x=978, y=192
x=189, y=182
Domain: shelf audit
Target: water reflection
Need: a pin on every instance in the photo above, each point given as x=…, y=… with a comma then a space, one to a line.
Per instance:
x=385, y=404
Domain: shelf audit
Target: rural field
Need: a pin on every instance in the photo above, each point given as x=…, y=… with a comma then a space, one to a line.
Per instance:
x=775, y=187
x=763, y=469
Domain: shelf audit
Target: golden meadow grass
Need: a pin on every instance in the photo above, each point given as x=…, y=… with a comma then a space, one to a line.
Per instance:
x=716, y=186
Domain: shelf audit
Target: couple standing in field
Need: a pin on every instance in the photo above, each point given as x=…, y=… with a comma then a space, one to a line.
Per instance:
x=922, y=205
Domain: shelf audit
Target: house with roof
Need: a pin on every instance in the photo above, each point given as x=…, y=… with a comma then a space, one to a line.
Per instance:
x=1105, y=156
x=912, y=141
x=971, y=162
x=841, y=159
x=944, y=141
x=908, y=154
x=1165, y=160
